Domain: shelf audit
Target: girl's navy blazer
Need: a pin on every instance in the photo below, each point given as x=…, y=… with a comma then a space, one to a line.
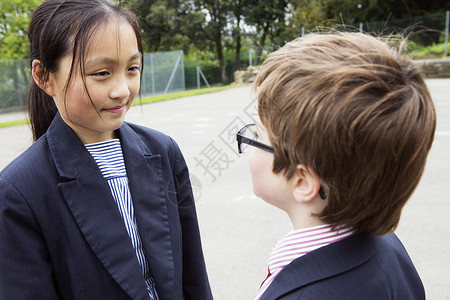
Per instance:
x=61, y=233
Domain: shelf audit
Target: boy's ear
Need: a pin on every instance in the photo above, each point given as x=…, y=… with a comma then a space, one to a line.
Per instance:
x=306, y=184
x=42, y=80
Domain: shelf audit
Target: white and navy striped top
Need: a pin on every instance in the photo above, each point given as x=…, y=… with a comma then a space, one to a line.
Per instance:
x=109, y=158
x=298, y=243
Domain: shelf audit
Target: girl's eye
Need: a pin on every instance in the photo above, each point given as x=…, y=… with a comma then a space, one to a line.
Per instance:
x=134, y=69
x=101, y=74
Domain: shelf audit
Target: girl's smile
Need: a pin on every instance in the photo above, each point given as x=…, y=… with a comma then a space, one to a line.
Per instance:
x=116, y=109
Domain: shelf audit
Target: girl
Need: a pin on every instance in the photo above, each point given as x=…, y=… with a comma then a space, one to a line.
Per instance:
x=96, y=208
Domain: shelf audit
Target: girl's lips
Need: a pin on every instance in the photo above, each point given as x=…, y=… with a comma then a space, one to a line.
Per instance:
x=116, y=109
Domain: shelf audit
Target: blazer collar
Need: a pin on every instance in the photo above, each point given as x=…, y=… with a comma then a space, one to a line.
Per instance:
x=70, y=154
x=322, y=263
x=148, y=187
x=90, y=201
x=68, y=151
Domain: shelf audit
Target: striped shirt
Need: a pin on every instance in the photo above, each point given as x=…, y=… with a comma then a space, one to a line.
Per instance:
x=298, y=243
x=109, y=158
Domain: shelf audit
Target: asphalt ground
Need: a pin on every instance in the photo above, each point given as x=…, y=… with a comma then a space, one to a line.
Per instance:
x=238, y=229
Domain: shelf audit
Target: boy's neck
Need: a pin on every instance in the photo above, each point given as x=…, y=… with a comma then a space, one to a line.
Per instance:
x=306, y=215
x=302, y=224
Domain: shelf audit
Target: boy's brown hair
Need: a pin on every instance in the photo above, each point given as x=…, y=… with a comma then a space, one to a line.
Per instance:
x=357, y=113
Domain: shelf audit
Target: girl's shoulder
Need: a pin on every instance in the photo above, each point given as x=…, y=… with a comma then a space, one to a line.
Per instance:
x=153, y=139
x=33, y=158
x=149, y=133
x=31, y=170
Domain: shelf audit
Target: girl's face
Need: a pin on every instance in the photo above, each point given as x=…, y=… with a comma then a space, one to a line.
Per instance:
x=112, y=77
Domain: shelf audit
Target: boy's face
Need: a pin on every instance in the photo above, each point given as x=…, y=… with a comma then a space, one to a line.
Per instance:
x=272, y=188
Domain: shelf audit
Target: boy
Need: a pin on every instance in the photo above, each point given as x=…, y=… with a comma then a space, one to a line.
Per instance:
x=345, y=126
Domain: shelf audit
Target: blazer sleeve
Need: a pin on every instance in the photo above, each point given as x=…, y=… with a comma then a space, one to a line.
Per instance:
x=25, y=270
x=195, y=279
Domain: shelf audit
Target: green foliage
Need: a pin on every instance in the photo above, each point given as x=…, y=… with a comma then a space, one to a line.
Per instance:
x=210, y=69
x=14, y=18
x=307, y=14
x=268, y=17
x=210, y=66
x=435, y=50
x=217, y=35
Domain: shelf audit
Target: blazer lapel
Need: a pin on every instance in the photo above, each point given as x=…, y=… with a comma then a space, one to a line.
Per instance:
x=146, y=182
x=322, y=263
x=89, y=198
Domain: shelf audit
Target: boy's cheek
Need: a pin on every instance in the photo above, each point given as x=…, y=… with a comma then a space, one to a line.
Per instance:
x=253, y=166
x=261, y=171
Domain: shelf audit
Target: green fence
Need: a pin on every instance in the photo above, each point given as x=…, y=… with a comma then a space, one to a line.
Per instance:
x=162, y=73
x=166, y=72
x=14, y=80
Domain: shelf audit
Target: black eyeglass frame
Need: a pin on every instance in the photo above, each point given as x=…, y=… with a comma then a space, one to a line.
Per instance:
x=242, y=139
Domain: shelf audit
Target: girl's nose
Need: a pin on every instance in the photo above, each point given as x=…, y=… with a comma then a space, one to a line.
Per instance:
x=120, y=89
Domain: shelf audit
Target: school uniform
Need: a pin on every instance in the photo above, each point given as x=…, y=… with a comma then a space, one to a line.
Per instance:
x=62, y=235
x=362, y=266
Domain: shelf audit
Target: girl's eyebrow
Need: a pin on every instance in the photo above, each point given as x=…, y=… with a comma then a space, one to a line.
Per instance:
x=135, y=56
x=109, y=60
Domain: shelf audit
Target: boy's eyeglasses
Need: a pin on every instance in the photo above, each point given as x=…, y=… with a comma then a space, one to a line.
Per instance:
x=248, y=136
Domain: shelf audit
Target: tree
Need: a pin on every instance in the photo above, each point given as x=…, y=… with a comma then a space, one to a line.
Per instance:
x=157, y=20
x=307, y=13
x=170, y=24
x=14, y=18
x=392, y=15
x=239, y=9
x=217, y=19
x=190, y=27
x=268, y=19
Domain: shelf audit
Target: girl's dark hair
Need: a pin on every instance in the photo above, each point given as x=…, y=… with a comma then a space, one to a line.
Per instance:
x=59, y=28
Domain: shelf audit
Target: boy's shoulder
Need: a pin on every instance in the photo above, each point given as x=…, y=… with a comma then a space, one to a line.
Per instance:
x=362, y=266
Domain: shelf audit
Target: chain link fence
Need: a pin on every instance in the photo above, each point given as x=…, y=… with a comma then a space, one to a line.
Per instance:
x=14, y=81
x=166, y=72
x=162, y=73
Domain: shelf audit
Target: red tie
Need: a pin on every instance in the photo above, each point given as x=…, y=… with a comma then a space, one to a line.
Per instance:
x=268, y=275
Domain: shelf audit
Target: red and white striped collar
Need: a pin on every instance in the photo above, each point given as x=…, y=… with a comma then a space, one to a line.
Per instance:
x=298, y=243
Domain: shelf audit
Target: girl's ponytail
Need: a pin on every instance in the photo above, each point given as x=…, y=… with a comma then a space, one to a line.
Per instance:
x=41, y=110
x=48, y=47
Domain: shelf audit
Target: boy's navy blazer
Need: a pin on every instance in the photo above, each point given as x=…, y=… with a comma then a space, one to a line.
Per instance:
x=61, y=233
x=362, y=266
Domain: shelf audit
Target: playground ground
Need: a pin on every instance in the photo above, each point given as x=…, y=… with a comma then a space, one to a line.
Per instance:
x=238, y=229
